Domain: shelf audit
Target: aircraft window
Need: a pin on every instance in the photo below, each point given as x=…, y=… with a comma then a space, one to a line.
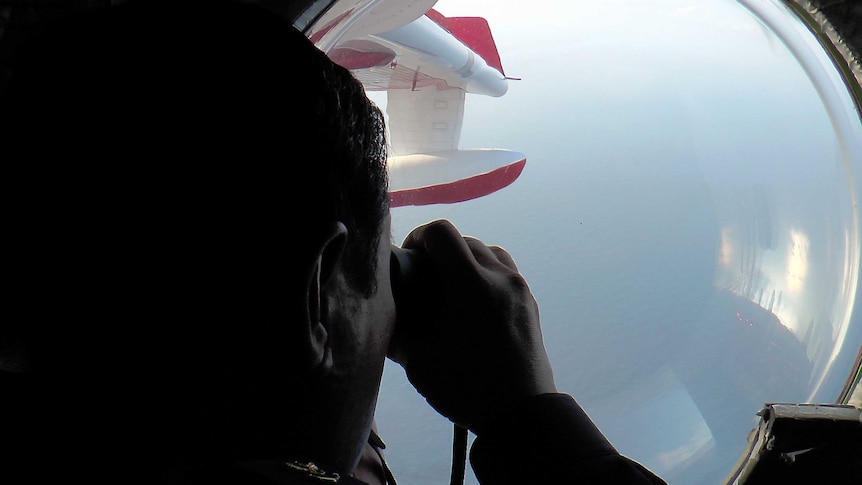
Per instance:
x=307, y=11
x=686, y=217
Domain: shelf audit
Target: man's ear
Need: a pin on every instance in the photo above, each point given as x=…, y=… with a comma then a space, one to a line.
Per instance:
x=316, y=330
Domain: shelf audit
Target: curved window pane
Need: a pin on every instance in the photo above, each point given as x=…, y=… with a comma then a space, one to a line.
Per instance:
x=686, y=219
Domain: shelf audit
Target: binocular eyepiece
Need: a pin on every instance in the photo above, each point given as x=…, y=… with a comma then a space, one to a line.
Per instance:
x=414, y=283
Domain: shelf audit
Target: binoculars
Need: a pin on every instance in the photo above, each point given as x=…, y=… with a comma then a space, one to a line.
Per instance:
x=414, y=284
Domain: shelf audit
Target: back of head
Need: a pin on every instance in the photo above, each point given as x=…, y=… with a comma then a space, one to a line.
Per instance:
x=173, y=163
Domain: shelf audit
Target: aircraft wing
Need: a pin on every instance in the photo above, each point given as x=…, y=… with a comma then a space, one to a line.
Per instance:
x=426, y=63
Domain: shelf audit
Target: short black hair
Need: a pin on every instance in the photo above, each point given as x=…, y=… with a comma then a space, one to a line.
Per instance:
x=153, y=87
x=168, y=133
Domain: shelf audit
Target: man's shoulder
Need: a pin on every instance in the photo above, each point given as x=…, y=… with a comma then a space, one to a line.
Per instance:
x=282, y=473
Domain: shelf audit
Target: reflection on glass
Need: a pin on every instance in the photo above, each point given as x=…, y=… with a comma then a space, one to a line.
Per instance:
x=686, y=220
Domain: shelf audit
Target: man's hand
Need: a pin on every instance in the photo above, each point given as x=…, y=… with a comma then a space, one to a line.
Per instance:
x=476, y=351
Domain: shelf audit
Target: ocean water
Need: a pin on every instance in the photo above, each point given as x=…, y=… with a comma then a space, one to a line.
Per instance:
x=668, y=305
